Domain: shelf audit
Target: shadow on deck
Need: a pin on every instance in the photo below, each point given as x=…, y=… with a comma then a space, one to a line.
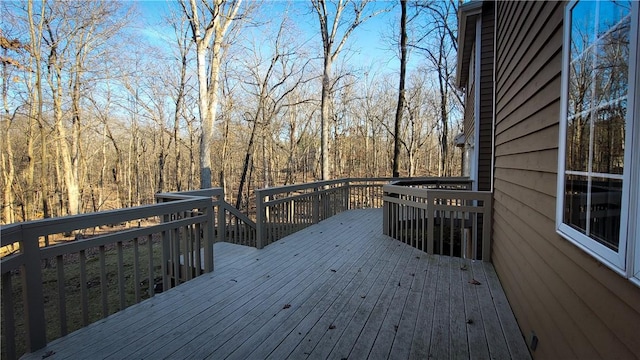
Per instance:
x=338, y=289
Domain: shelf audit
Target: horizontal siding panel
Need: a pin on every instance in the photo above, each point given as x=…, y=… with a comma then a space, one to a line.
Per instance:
x=538, y=161
x=536, y=46
x=541, y=182
x=534, y=81
x=543, y=139
x=597, y=312
x=545, y=323
x=531, y=122
x=508, y=33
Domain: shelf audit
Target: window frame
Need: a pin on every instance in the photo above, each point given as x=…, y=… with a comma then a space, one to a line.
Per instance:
x=625, y=261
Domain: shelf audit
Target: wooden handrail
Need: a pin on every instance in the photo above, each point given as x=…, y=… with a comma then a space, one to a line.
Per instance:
x=188, y=217
x=411, y=214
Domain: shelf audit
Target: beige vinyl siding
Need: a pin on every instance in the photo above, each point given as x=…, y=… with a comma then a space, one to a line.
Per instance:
x=577, y=307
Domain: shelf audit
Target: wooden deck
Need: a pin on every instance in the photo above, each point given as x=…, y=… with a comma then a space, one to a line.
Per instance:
x=336, y=290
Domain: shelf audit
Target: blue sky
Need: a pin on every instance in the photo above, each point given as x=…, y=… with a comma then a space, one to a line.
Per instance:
x=367, y=42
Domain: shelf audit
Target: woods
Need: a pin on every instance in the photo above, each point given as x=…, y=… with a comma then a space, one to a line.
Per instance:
x=102, y=110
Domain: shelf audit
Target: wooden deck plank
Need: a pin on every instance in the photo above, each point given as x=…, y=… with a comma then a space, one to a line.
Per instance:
x=512, y=333
x=314, y=325
x=422, y=333
x=441, y=330
x=224, y=324
x=389, y=327
x=404, y=337
x=458, y=322
x=360, y=336
x=263, y=326
x=322, y=336
x=284, y=338
x=497, y=344
x=356, y=311
x=135, y=319
x=478, y=347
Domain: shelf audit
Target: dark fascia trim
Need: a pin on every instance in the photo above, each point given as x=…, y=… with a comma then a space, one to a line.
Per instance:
x=467, y=15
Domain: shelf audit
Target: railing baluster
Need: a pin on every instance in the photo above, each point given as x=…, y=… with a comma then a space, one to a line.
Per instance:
x=452, y=215
x=175, y=237
x=136, y=270
x=103, y=282
x=84, y=300
x=198, y=249
x=152, y=278
x=62, y=300
x=121, y=276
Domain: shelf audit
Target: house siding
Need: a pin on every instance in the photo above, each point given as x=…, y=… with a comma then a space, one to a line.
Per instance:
x=485, y=140
x=577, y=307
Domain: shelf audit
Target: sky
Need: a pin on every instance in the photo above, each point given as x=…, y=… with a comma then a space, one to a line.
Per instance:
x=368, y=45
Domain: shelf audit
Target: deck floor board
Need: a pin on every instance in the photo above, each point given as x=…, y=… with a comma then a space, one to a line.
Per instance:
x=338, y=289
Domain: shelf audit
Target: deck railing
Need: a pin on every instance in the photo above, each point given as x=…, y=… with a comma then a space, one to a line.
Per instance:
x=448, y=222
x=283, y=210
x=86, y=279
x=83, y=280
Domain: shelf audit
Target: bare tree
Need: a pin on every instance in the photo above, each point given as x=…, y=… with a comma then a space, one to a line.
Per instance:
x=403, y=72
x=336, y=25
x=271, y=88
x=439, y=45
x=209, y=26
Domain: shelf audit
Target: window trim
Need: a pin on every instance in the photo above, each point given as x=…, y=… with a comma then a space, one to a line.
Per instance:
x=625, y=261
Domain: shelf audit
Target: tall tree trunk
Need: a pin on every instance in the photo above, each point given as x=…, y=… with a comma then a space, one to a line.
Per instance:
x=324, y=117
x=403, y=71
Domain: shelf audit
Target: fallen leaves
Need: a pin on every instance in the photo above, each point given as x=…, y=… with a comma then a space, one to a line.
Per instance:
x=474, y=282
x=286, y=306
x=463, y=267
x=331, y=327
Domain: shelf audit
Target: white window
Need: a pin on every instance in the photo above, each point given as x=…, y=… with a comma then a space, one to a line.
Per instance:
x=597, y=202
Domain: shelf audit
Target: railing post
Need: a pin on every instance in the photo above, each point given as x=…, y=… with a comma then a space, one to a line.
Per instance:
x=385, y=214
x=486, y=227
x=33, y=298
x=209, y=237
x=348, y=194
x=430, y=226
x=316, y=206
x=260, y=215
x=222, y=220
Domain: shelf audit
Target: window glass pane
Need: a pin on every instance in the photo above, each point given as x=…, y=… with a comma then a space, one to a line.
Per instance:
x=610, y=14
x=612, y=68
x=575, y=202
x=608, y=139
x=577, y=152
x=581, y=75
x=582, y=26
x=606, y=200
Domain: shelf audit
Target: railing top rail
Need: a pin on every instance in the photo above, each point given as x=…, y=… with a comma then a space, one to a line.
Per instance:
x=82, y=221
x=417, y=191
x=10, y=234
x=431, y=180
x=392, y=180
x=296, y=187
x=217, y=191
